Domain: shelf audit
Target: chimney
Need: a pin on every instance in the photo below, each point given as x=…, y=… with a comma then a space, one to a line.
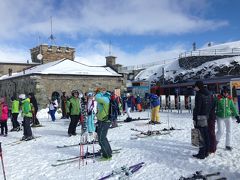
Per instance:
x=10, y=72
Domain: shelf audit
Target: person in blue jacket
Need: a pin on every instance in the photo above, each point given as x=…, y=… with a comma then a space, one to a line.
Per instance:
x=155, y=107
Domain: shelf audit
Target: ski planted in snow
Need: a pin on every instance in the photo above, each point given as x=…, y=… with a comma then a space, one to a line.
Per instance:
x=124, y=172
x=199, y=175
x=86, y=155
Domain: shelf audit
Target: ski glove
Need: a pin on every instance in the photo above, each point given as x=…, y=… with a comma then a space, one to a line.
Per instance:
x=238, y=119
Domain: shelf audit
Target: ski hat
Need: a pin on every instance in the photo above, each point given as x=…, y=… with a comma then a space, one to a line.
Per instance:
x=75, y=91
x=22, y=96
x=90, y=94
x=199, y=84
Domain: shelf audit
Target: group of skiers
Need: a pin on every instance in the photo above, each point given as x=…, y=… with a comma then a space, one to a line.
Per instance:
x=208, y=109
x=28, y=106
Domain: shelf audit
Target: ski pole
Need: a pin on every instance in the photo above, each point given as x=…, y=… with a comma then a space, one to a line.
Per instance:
x=4, y=175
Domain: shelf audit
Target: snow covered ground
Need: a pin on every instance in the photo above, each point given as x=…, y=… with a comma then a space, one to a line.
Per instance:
x=167, y=157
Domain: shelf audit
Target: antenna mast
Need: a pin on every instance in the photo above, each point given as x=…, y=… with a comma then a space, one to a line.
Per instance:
x=110, y=48
x=52, y=38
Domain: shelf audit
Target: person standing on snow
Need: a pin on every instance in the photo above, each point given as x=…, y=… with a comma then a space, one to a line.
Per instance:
x=128, y=105
x=15, y=112
x=74, y=111
x=3, y=117
x=139, y=103
x=64, y=105
x=90, y=113
x=114, y=109
x=200, y=117
x=155, y=107
x=53, y=108
x=27, y=117
x=103, y=123
x=33, y=101
x=225, y=109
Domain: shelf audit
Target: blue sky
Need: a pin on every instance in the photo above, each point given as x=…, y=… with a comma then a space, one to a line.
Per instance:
x=140, y=31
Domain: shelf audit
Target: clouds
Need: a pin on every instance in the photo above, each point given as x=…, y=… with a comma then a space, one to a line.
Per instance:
x=135, y=17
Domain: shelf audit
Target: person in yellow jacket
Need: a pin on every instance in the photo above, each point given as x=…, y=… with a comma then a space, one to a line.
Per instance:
x=27, y=117
x=15, y=112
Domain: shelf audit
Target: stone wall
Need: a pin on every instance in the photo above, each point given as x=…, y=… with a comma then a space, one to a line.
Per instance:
x=195, y=61
x=43, y=85
x=15, y=67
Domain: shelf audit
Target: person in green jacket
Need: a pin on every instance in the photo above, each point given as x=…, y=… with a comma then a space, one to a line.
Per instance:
x=27, y=117
x=225, y=109
x=74, y=111
x=15, y=112
x=103, y=101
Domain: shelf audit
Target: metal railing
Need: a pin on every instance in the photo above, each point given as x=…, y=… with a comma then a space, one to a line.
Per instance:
x=211, y=52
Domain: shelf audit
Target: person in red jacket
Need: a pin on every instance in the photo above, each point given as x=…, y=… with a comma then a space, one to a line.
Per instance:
x=3, y=117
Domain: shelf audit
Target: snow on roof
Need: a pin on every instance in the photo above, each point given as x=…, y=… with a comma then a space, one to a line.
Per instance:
x=67, y=67
x=172, y=69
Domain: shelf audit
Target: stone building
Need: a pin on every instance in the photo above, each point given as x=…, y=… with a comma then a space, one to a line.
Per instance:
x=59, y=76
x=54, y=70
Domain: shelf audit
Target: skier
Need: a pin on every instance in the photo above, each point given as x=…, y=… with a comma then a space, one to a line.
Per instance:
x=128, y=105
x=103, y=123
x=64, y=105
x=33, y=101
x=27, y=117
x=53, y=108
x=91, y=111
x=155, y=106
x=15, y=112
x=225, y=109
x=139, y=103
x=3, y=117
x=114, y=109
x=74, y=111
x=200, y=117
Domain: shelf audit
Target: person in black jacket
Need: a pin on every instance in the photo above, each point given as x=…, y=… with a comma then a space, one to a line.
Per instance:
x=200, y=117
x=33, y=101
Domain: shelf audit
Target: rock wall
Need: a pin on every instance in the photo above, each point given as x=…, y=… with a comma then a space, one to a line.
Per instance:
x=195, y=61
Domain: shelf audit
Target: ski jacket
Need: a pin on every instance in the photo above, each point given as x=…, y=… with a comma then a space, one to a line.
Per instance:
x=15, y=106
x=74, y=106
x=102, y=107
x=53, y=105
x=202, y=104
x=33, y=101
x=138, y=100
x=27, y=108
x=225, y=107
x=91, y=106
x=4, y=115
x=154, y=100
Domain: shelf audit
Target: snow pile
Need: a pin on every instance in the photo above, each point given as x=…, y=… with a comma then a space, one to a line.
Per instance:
x=166, y=157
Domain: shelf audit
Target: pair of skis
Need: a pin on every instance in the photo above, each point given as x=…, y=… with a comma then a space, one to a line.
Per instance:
x=149, y=133
x=78, y=144
x=124, y=172
x=87, y=155
x=199, y=175
x=21, y=141
x=133, y=119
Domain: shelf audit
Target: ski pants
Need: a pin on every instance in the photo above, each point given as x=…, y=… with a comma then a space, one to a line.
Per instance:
x=35, y=119
x=52, y=114
x=128, y=109
x=155, y=114
x=27, y=131
x=228, y=124
x=102, y=138
x=4, y=126
x=204, y=149
x=212, y=135
x=73, y=124
x=15, y=122
x=90, y=123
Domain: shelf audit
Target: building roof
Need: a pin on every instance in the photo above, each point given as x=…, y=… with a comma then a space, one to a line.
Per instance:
x=65, y=67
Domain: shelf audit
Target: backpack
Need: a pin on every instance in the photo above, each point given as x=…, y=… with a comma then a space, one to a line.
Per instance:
x=113, y=109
